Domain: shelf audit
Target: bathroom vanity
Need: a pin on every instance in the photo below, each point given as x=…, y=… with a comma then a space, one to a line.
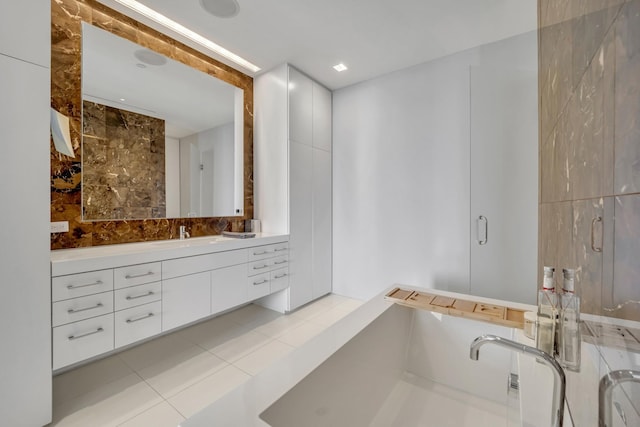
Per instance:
x=106, y=298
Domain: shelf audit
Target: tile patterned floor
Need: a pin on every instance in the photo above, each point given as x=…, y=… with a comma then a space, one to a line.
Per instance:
x=164, y=381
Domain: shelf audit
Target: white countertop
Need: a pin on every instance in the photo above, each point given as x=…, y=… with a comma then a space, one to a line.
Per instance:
x=70, y=261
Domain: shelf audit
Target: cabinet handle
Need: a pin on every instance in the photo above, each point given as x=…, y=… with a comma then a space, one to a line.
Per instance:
x=260, y=282
x=96, y=283
x=136, y=276
x=74, y=311
x=482, y=241
x=77, y=337
x=261, y=253
x=593, y=238
x=260, y=267
x=280, y=276
x=281, y=249
x=148, y=294
x=280, y=262
x=146, y=316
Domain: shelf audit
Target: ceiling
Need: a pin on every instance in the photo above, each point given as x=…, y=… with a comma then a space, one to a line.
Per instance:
x=372, y=37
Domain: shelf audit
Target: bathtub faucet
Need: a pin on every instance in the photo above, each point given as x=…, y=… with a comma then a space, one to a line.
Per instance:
x=607, y=383
x=559, y=381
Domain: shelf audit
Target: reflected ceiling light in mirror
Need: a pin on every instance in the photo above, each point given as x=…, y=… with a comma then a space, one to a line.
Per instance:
x=149, y=57
x=221, y=8
x=340, y=67
x=185, y=32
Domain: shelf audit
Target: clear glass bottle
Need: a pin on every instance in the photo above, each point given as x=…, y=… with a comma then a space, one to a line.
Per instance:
x=570, y=339
x=547, y=313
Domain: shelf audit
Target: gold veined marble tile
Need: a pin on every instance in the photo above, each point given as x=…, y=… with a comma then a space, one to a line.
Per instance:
x=66, y=173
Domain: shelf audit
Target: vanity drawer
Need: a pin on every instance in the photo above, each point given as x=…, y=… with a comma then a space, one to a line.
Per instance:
x=132, y=275
x=81, y=284
x=200, y=263
x=268, y=251
x=137, y=323
x=280, y=262
x=259, y=286
x=279, y=279
x=137, y=295
x=259, y=267
x=81, y=308
x=81, y=340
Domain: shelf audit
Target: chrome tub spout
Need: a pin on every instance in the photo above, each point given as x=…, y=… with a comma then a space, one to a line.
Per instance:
x=559, y=380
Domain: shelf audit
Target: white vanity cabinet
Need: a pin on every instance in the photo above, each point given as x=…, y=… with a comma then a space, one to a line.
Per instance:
x=97, y=310
x=292, y=166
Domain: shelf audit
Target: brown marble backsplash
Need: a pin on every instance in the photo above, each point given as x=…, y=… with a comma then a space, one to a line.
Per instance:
x=67, y=173
x=589, y=83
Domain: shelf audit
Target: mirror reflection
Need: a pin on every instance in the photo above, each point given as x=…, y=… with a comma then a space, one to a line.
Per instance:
x=160, y=139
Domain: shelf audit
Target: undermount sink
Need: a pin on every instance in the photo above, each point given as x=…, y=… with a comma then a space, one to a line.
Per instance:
x=188, y=242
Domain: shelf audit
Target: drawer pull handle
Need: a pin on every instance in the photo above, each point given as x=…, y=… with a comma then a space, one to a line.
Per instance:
x=136, y=276
x=281, y=249
x=260, y=267
x=74, y=311
x=96, y=283
x=77, y=337
x=280, y=276
x=280, y=262
x=260, y=282
x=261, y=253
x=146, y=316
x=148, y=294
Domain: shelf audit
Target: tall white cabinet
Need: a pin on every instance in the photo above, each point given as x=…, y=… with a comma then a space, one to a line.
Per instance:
x=292, y=171
x=25, y=305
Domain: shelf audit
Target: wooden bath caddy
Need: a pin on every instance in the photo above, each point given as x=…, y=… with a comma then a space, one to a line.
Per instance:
x=498, y=314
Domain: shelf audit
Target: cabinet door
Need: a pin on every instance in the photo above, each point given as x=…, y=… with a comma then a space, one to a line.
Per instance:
x=300, y=107
x=228, y=287
x=504, y=186
x=321, y=193
x=185, y=299
x=301, y=234
x=25, y=31
x=321, y=117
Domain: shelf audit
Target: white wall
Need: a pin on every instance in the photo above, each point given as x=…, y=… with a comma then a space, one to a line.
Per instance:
x=401, y=179
x=172, y=176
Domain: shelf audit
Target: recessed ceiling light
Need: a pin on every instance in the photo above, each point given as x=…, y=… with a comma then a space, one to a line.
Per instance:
x=340, y=67
x=221, y=8
x=185, y=32
x=150, y=57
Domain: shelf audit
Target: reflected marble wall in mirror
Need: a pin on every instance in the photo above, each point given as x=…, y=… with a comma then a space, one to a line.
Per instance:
x=160, y=139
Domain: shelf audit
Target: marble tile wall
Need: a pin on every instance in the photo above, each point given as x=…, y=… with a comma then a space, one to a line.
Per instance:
x=66, y=172
x=123, y=174
x=589, y=80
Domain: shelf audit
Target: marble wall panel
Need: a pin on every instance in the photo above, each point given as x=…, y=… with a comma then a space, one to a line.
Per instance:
x=67, y=173
x=590, y=147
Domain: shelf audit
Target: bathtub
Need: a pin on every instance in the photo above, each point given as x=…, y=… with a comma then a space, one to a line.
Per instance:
x=389, y=365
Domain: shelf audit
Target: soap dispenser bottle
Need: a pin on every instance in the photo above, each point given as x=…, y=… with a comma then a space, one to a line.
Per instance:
x=570, y=339
x=547, y=314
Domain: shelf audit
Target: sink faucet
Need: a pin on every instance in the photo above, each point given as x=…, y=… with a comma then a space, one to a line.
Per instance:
x=605, y=389
x=184, y=234
x=559, y=381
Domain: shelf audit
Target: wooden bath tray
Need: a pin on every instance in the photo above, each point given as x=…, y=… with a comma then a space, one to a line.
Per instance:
x=501, y=315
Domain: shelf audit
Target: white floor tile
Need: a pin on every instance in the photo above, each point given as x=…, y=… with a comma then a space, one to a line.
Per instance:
x=174, y=374
x=203, y=393
x=109, y=405
x=88, y=377
x=280, y=325
x=311, y=310
x=331, y=316
x=214, y=333
x=301, y=334
x=240, y=346
x=255, y=362
x=251, y=314
x=162, y=415
x=155, y=351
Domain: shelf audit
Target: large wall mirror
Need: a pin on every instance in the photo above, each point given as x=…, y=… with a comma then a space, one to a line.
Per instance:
x=160, y=139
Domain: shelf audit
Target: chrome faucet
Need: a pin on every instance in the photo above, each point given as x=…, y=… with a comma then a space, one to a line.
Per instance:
x=559, y=381
x=605, y=390
x=184, y=234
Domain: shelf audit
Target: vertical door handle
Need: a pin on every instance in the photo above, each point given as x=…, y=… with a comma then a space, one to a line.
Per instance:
x=593, y=238
x=482, y=239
